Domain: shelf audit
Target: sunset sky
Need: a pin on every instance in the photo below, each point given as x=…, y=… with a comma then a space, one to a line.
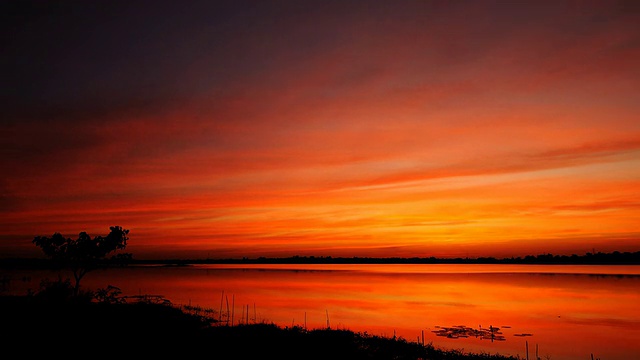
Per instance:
x=322, y=128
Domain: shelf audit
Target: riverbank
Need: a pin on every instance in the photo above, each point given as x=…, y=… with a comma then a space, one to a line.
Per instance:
x=43, y=327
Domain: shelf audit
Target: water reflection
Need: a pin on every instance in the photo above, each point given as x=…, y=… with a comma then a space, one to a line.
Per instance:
x=567, y=312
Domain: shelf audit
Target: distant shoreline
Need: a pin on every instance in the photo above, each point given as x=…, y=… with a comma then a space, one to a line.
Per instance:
x=613, y=258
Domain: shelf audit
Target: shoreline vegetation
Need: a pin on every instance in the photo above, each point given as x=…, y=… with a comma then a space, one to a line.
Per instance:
x=596, y=258
x=58, y=320
x=149, y=327
x=63, y=319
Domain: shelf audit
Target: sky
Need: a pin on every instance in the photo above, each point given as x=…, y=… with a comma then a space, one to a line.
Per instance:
x=229, y=129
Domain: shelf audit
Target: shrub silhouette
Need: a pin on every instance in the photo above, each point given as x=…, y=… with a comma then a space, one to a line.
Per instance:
x=83, y=254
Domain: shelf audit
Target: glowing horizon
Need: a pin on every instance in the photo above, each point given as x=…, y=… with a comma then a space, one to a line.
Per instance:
x=384, y=130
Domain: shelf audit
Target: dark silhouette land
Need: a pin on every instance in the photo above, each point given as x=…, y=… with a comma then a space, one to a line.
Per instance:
x=48, y=324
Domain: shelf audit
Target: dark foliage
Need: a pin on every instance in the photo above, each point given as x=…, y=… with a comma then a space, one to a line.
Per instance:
x=84, y=249
x=36, y=326
x=83, y=254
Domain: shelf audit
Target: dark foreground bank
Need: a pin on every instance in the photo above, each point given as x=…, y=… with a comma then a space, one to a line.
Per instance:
x=36, y=327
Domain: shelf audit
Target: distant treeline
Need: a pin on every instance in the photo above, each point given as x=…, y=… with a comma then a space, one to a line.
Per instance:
x=599, y=258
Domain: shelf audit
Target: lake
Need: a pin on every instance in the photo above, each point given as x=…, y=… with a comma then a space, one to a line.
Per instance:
x=563, y=311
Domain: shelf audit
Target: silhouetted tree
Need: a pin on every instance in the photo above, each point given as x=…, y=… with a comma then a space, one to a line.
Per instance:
x=83, y=254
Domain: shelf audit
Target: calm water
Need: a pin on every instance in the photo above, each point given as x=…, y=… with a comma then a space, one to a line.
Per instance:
x=566, y=312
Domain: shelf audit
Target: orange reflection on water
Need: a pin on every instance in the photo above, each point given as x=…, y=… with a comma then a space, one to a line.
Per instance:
x=570, y=312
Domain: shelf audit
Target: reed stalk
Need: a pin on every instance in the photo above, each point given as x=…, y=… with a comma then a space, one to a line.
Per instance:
x=228, y=313
x=328, y=326
x=220, y=313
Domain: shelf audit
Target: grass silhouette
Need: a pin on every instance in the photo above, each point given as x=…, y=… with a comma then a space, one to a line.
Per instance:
x=78, y=327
